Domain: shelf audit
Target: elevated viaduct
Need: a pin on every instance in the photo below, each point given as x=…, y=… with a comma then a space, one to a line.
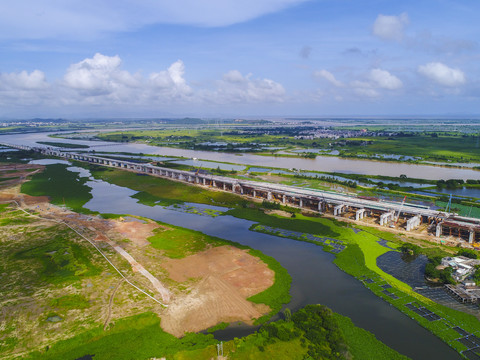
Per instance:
x=338, y=204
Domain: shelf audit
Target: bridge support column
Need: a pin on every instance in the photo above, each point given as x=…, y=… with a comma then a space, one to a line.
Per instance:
x=337, y=210
x=214, y=184
x=254, y=193
x=224, y=186
x=204, y=181
x=438, y=230
x=471, y=236
x=385, y=217
x=269, y=196
x=301, y=203
x=413, y=222
x=284, y=199
x=359, y=214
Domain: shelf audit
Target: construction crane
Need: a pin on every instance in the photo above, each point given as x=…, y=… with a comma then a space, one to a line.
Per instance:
x=449, y=205
x=198, y=170
x=400, y=210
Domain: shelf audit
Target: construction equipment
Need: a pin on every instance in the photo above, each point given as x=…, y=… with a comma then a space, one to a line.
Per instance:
x=449, y=205
x=400, y=210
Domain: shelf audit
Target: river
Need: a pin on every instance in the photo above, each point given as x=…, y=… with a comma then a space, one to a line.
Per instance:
x=315, y=279
x=320, y=163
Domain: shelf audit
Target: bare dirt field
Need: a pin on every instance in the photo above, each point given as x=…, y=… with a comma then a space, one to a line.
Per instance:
x=11, y=176
x=224, y=278
x=206, y=288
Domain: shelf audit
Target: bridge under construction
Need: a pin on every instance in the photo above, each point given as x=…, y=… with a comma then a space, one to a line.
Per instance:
x=385, y=213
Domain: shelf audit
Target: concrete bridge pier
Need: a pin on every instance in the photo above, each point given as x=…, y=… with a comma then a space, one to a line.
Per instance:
x=412, y=223
x=269, y=196
x=384, y=218
x=438, y=230
x=359, y=214
x=337, y=210
x=471, y=236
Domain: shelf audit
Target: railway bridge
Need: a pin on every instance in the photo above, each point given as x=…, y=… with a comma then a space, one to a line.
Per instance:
x=388, y=213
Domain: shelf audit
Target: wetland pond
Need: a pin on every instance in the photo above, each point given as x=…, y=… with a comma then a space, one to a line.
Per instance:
x=315, y=278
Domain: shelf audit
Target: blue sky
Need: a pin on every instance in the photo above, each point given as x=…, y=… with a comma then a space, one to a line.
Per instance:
x=229, y=58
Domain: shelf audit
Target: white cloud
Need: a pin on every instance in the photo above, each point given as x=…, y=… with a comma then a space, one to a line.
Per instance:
x=100, y=81
x=364, y=88
x=171, y=83
x=237, y=88
x=390, y=27
x=99, y=75
x=23, y=89
x=385, y=80
x=23, y=81
x=369, y=85
x=33, y=19
x=328, y=76
x=442, y=74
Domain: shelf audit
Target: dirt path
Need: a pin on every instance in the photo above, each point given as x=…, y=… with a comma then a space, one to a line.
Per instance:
x=162, y=290
x=110, y=303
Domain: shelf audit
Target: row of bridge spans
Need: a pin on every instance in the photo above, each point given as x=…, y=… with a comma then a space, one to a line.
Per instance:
x=388, y=213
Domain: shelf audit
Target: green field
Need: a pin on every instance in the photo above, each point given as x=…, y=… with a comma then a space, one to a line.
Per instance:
x=153, y=190
x=63, y=145
x=458, y=148
x=314, y=331
x=63, y=187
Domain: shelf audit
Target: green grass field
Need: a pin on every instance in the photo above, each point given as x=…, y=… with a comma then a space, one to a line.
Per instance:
x=64, y=145
x=441, y=148
x=140, y=337
x=153, y=189
x=63, y=187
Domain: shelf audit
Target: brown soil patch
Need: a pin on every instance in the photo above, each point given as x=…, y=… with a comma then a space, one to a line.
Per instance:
x=278, y=212
x=227, y=277
x=135, y=231
x=10, y=189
